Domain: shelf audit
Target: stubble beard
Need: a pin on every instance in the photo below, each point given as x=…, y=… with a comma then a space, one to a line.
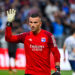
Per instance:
x=35, y=31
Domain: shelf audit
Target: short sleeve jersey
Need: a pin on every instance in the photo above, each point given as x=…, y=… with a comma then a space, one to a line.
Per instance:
x=70, y=45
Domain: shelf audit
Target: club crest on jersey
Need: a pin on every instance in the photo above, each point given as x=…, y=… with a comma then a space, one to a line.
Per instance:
x=43, y=39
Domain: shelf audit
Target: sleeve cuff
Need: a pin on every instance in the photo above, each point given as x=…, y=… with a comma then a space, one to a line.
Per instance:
x=9, y=24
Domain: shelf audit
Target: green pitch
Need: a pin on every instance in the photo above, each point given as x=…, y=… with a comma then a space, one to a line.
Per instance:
x=21, y=72
x=65, y=72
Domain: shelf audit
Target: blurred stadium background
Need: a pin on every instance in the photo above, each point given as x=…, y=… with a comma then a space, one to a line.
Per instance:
x=58, y=17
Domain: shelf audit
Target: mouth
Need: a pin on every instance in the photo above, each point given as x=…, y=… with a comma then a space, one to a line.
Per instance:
x=32, y=28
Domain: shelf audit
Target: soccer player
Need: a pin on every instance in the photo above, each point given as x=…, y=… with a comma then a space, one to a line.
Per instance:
x=38, y=44
x=12, y=53
x=69, y=44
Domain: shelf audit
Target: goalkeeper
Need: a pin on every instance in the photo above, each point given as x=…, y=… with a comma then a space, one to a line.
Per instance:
x=38, y=44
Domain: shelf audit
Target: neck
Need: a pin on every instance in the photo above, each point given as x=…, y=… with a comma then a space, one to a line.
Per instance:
x=36, y=32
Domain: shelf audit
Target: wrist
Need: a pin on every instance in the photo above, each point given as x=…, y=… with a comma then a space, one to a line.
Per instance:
x=9, y=24
x=57, y=68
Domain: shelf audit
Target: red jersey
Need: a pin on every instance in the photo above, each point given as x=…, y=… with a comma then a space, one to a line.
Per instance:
x=37, y=49
x=72, y=1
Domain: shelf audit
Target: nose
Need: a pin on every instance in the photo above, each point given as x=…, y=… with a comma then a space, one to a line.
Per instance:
x=33, y=24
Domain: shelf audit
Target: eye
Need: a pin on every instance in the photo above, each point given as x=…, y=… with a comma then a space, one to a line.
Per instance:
x=30, y=22
x=35, y=22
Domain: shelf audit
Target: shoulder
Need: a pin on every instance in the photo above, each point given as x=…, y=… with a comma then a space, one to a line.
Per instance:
x=51, y=39
x=24, y=34
x=68, y=39
x=47, y=33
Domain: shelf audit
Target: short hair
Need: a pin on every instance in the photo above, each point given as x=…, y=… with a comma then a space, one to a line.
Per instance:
x=35, y=15
x=72, y=30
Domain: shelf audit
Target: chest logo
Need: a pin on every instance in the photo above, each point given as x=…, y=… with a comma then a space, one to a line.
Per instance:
x=30, y=39
x=43, y=39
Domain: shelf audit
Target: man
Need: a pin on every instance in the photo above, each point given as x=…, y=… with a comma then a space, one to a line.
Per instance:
x=38, y=45
x=69, y=44
x=12, y=55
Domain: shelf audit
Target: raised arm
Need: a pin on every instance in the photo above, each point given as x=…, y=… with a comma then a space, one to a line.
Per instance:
x=14, y=38
x=8, y=32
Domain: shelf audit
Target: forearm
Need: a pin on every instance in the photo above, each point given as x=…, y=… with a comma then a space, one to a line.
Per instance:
x=8, y=35
x=64, y=48
x=56, y=54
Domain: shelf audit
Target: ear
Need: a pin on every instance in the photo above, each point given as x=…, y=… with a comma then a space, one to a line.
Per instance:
x=40, y=24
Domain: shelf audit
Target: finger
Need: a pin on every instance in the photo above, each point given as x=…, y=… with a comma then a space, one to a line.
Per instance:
x=14, y=12
x=7, y=12
x=10, y=11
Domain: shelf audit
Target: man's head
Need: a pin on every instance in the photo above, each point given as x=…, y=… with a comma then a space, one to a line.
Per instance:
x=73, y=31
x=35, y=23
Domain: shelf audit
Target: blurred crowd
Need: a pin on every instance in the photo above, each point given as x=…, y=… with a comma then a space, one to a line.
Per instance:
x=58, y=17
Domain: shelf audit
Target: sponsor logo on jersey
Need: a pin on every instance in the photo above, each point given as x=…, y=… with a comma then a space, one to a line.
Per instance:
x=43, y=39
x=36, y=47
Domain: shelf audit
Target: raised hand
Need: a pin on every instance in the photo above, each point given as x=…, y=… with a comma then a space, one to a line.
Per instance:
x=11, y=15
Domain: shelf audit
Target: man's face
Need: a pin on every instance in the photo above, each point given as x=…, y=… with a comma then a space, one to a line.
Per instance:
x=35, y=23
